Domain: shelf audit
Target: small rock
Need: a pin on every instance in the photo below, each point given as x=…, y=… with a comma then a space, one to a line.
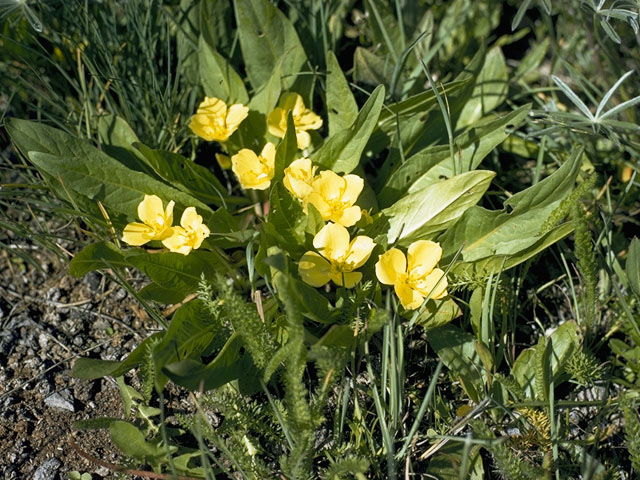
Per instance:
x=48, y=470
x=43, y=340
x=61, y=400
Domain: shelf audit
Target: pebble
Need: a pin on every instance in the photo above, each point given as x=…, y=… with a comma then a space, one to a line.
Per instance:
x=61, y=400
x=48, y=470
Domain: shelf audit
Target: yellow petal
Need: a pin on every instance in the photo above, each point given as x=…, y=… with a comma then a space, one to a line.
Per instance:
x=277, y=122
x=212, y=106
x=179, y=241
x=319, y=202
x=309, y=121
x=354, y=186
x=349, y=216
x=235, y=115
x=314, y=269
x=359, y=251
x=137, y=234
x=251, y=172
x=422, y=257
x=332, y=241
x=391, y=266
x=329, y=185
x=199, y=125
x=409, y=298
x=298, y=177
x=190, y=219
x=433, y=284
x=303, y=139
x=151, y=211
x=269, y=155
x=350, y=278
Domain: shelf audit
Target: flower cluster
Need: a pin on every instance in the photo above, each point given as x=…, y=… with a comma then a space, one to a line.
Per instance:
x=414, y=276
x=157, y=225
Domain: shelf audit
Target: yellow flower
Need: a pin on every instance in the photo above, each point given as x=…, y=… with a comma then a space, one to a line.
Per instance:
x=303, y=119
x=298, y=177
x=215, y=121
x=189, y=235
x=334, y=197
x=157, y=222
x=414, y=277
x=255, y=171
x=338, y=257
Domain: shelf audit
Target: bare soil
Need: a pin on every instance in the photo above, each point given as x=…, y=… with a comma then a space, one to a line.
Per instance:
x=47, y=320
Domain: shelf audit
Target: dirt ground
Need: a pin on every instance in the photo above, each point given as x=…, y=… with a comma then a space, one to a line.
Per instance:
x=47, y=320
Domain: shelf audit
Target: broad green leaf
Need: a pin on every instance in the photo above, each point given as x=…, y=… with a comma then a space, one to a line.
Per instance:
x=266, y=35
x=432, y=164
x=341, y=153
x=93, y=174
x=266, y=98
x=533, y=59
x=342, y=108
x=564, y=343
x=132, y=443
x=525, y=373
x=423, y=214
x=495, y=263
x=384, y=28
x=228, y=365
x=632, y=268
x=191, y=331
x=490, y=89
x=180, y=273
x=157, y=293
x=218, y=77
x=117, y=138
x=486, y=233
x=286, y=151
x=186, y=175
x=216, y=24
x=312, y=303
x=437, y=313
x=91, y=368
x=287, y=222
x=455, y=348
x=96, y=257
x=371, y=69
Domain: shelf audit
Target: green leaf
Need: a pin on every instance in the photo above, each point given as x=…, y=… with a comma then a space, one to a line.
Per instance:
x=227, y=366
x=191, y=331
x=423, y=214
x=533, y=59
x=342, y=108
x=287, y=222
x=524, y=372
x=456, y=349
x=432, y=164
x=564, y=344
x=157, y=293
x=218, y=77
x=341, y=153
x=174, y=271
x=96, y=257
x=266, y=35
x=437, y=313
x=632, y=267
x=287, y=150
x=185, y=175
x=117, y=138
x=490, y=89
x=515, y=229
x=95, y=175
x=132, y=443
x=371, y=69
x=92, y=368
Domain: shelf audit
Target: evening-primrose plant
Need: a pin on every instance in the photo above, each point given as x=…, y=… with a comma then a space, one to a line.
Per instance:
x=255, y=298
x=303, y=118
